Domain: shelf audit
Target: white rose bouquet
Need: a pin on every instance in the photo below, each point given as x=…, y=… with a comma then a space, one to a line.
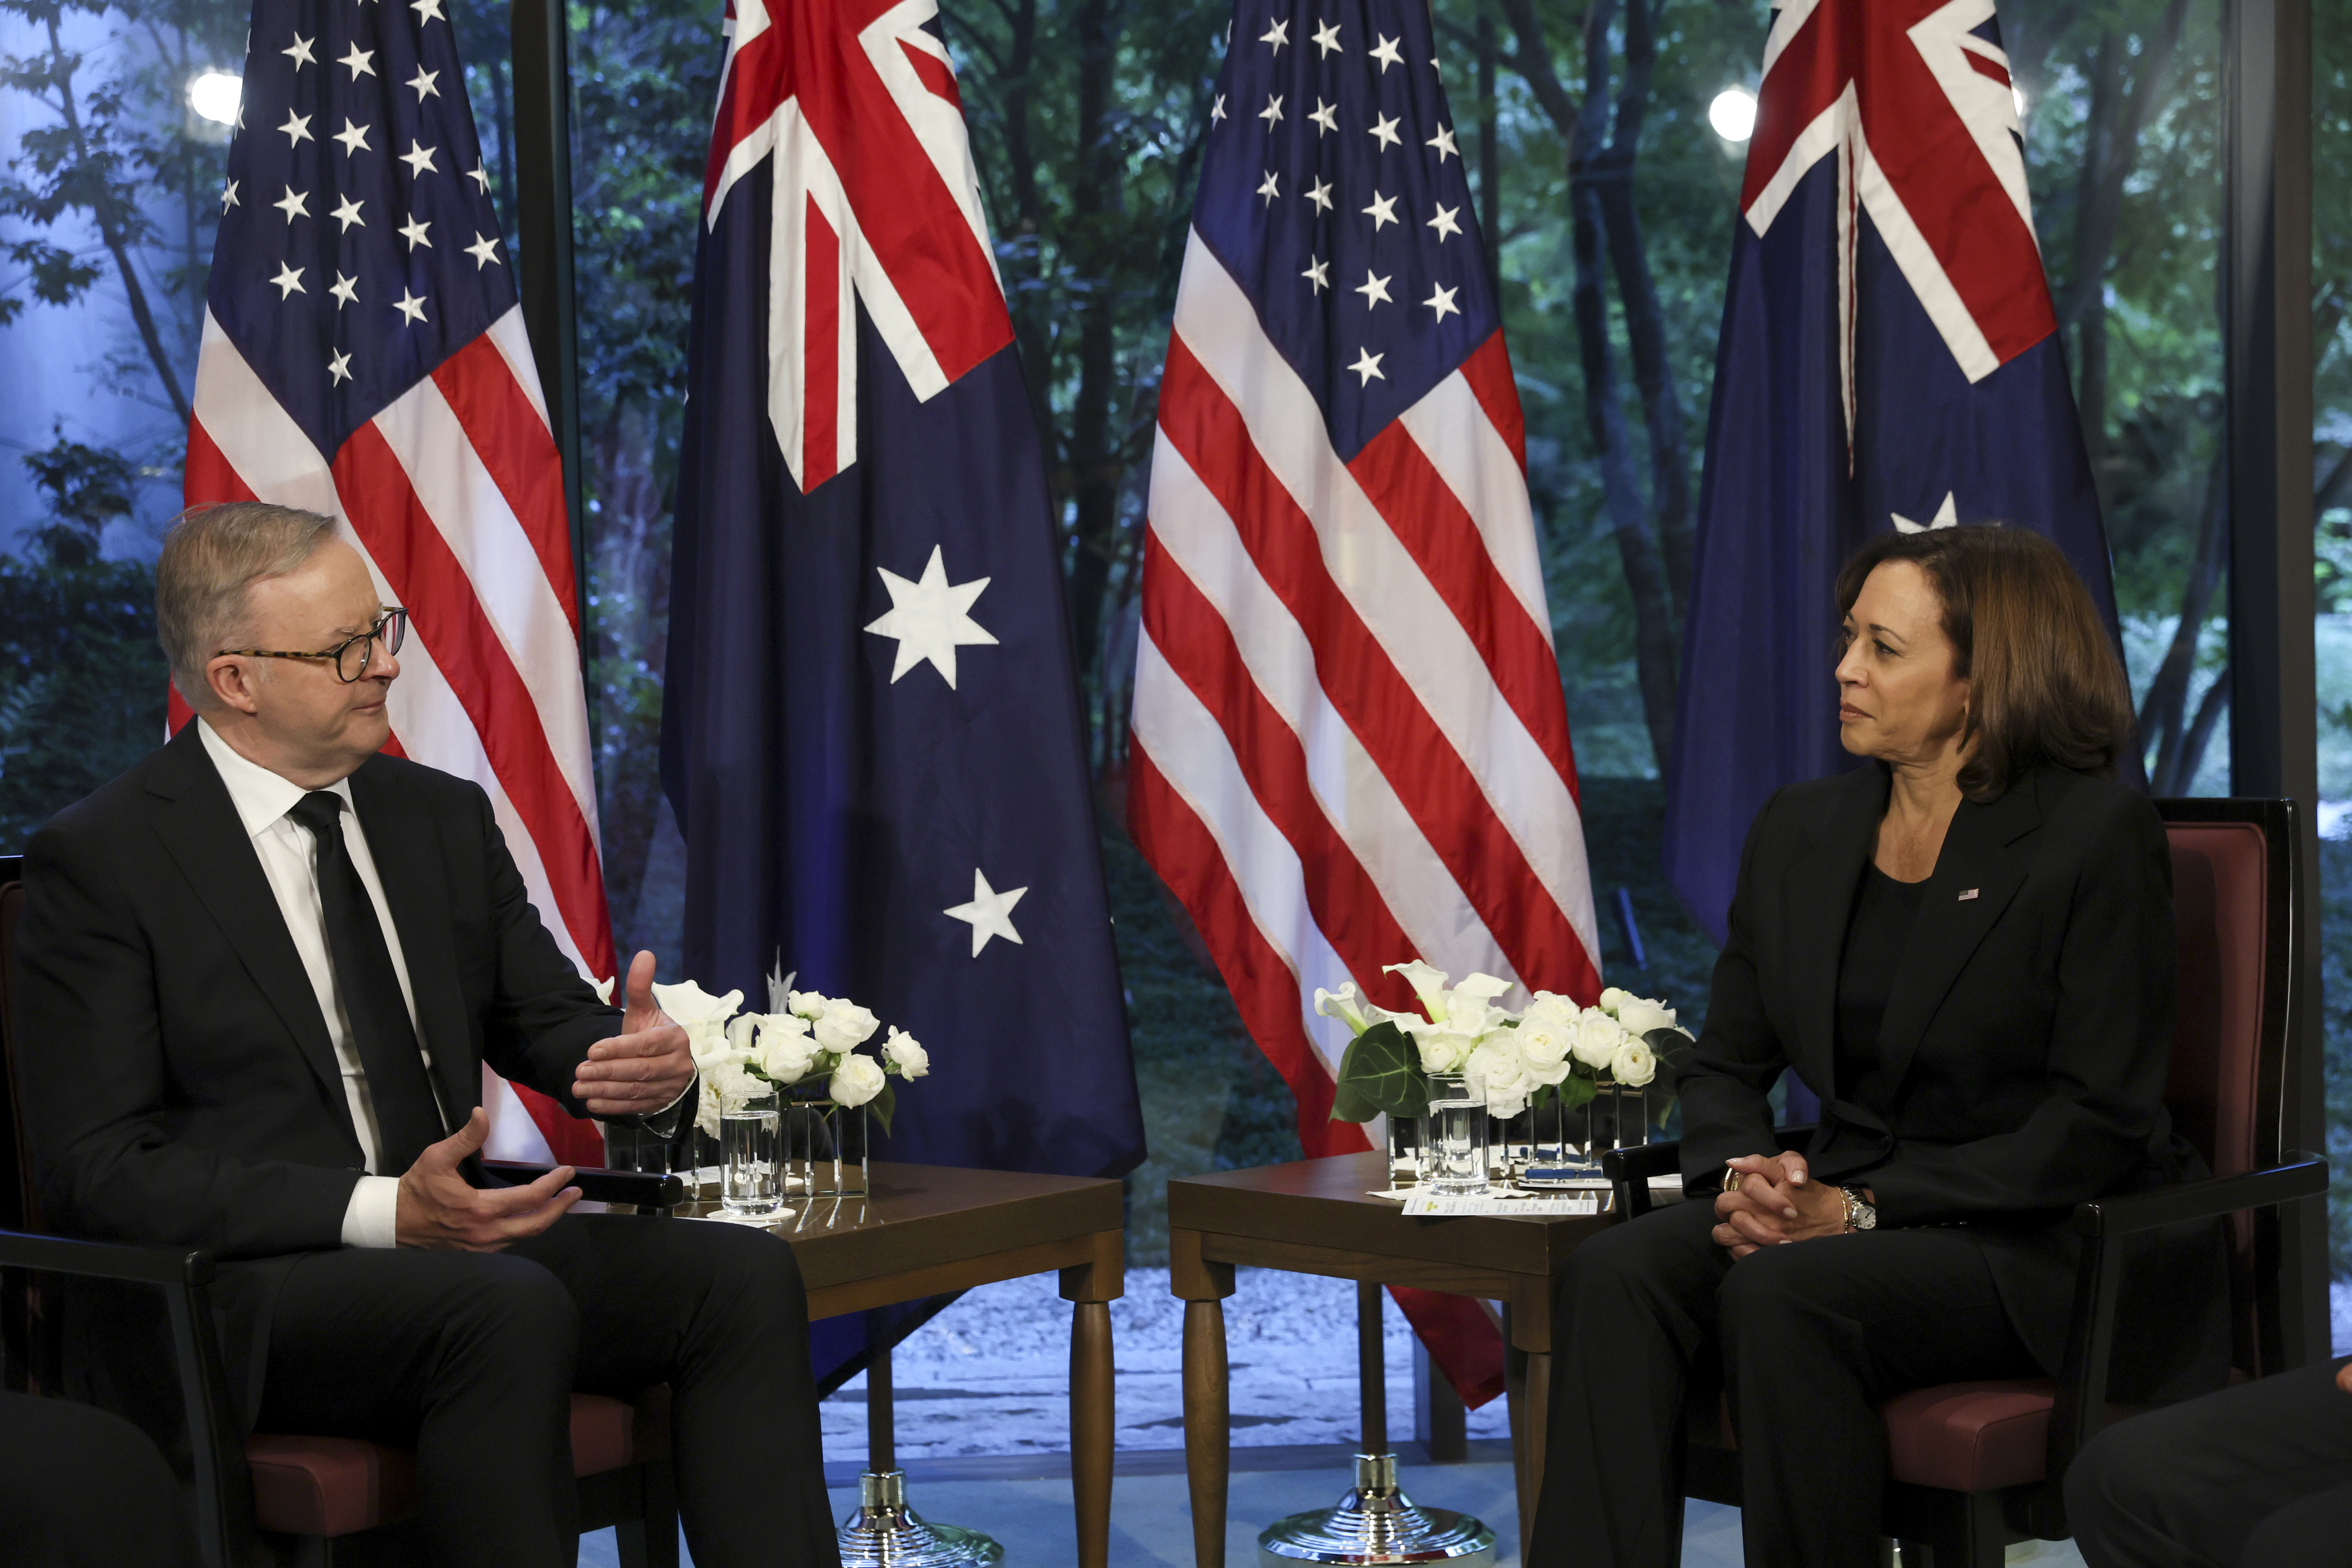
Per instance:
x=809, y=1046
x=1554, y=1050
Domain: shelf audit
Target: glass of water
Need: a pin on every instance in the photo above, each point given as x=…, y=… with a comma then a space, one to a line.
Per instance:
x=1457, y=1136
x=750, y=1157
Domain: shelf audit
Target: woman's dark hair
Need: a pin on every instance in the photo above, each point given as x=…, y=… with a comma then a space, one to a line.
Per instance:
x=2044, y=683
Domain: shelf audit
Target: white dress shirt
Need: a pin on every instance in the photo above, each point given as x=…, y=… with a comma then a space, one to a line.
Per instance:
x=290, y=859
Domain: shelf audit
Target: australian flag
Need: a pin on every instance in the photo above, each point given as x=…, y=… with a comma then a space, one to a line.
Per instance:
x=871, y=733
x=1889, y=359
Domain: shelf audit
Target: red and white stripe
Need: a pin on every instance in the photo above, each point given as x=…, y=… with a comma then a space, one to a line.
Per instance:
x=454, y=496
x=1349, y=743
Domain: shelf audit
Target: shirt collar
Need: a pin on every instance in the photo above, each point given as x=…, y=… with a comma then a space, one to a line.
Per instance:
x=261, y=797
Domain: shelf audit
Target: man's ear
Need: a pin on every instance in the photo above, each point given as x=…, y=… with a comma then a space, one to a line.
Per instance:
x=231, y=679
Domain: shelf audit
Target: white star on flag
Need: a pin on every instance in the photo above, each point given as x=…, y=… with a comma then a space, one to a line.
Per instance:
x=931, y=618
x=989, y=914
x=1947, y=516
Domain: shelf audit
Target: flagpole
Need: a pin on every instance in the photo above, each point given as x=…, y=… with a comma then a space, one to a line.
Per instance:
x=542, y=208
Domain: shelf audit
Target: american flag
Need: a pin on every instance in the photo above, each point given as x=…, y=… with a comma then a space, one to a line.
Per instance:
x=1351, y=746
x=364, y=357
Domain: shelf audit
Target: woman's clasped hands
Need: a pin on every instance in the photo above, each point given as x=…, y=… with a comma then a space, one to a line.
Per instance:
x=1776, y=1200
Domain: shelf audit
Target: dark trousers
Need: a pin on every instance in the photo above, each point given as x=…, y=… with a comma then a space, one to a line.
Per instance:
x=471, y=1359
x=83, y=1489
x=2259, y=1476
x=1809, y=1338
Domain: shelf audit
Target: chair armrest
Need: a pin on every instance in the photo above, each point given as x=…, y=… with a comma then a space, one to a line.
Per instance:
x=2303, y=1176
x=215, y=1452
x=105, y=1260
x=1629, y=1170
x=2082, y=1405
x=645, y=1189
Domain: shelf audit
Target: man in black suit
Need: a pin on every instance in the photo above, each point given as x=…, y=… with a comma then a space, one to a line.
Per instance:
x=261, y=974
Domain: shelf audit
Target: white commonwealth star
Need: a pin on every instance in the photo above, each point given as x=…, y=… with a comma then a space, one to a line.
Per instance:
x=294, y=204
x=1217, y=110
x=1278, y=34
x=346, y=290
x=1272, y=112
x=1326, y=117
x=339, y=367
x=989, y=914
x=1382, y=212
x=1443, y=143
x=1271, y=187
x=1947, y=516
x=410, y=306
x=353, y=137
x=413, y=232
x=1441, y=301
x=485, y=251
x=300, y=53
x=358, y=61
x=1320, y=195
x=1374, y=289
x=1384, y=131
x=481, y=177
x=288, y=281
x=1317, y=273
x=228, y=196
x=931, y=618
x=297, y=128
x=347, y=213
x=1368, y=365
x=419, y=160
x=1327, y=38
x=1385, y=51
x=1445, y=222
x=422, y=83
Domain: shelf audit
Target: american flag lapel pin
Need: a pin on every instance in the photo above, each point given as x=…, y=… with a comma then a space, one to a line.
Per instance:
x=1967, y=894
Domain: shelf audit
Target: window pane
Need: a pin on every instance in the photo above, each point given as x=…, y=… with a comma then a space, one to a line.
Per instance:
x=111, y=186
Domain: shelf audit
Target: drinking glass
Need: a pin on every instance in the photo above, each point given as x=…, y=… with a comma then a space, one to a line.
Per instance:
x=749, y=1157
x=1457, y=1136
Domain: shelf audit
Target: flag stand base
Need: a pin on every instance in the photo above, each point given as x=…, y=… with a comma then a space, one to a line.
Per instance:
x=886, y=1531
x=1376, y=1523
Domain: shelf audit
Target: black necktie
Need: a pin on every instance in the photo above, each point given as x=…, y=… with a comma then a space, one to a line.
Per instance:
x=405, y=1111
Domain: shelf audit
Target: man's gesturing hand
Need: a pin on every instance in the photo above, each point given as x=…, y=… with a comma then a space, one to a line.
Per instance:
x=644, y=1068
x=439, y=1208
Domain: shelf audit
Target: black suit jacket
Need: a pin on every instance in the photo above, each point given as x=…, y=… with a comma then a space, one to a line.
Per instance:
x=179, y=1083
x=2027, y=1033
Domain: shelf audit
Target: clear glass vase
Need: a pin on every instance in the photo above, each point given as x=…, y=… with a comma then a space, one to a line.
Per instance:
x=1407, y=1151
x=1618, y=1118
x=1457, y=1136
x=828, y=1147
x=750, y=1157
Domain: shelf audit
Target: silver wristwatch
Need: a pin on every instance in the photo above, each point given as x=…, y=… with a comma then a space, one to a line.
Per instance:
x=1860, y=1214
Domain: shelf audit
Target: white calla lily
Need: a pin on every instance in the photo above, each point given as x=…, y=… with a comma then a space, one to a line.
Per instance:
x=1428, y=984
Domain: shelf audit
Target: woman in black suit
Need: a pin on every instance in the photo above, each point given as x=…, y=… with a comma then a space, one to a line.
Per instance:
x=1967, y=948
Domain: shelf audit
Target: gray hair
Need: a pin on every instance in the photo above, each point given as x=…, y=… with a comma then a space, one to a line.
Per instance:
x=212, y=558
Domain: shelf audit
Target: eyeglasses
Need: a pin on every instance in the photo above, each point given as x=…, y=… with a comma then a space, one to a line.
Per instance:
x=350, y=659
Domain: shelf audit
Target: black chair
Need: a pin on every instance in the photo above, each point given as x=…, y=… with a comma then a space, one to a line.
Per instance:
x=1978, y=1466
x=289, y=1499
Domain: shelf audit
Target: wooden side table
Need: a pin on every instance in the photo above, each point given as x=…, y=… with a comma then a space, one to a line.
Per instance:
x=1317, y=1216
x=927, y=1230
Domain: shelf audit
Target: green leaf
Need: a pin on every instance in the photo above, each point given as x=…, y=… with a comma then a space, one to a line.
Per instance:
x=1576, y=1091
x=1381, y=1076
x=883, y=1106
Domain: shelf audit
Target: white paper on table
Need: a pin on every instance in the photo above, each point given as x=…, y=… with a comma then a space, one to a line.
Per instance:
x=1546, y=1206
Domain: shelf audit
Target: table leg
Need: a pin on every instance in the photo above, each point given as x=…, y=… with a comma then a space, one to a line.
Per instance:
x=1525, y=1443
x=1206, y=1411
x=1092, y=1433
x=1537, y=1404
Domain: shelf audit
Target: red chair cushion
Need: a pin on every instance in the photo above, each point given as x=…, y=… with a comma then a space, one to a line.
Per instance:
x=1971, y=1437
x=337, y=1485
